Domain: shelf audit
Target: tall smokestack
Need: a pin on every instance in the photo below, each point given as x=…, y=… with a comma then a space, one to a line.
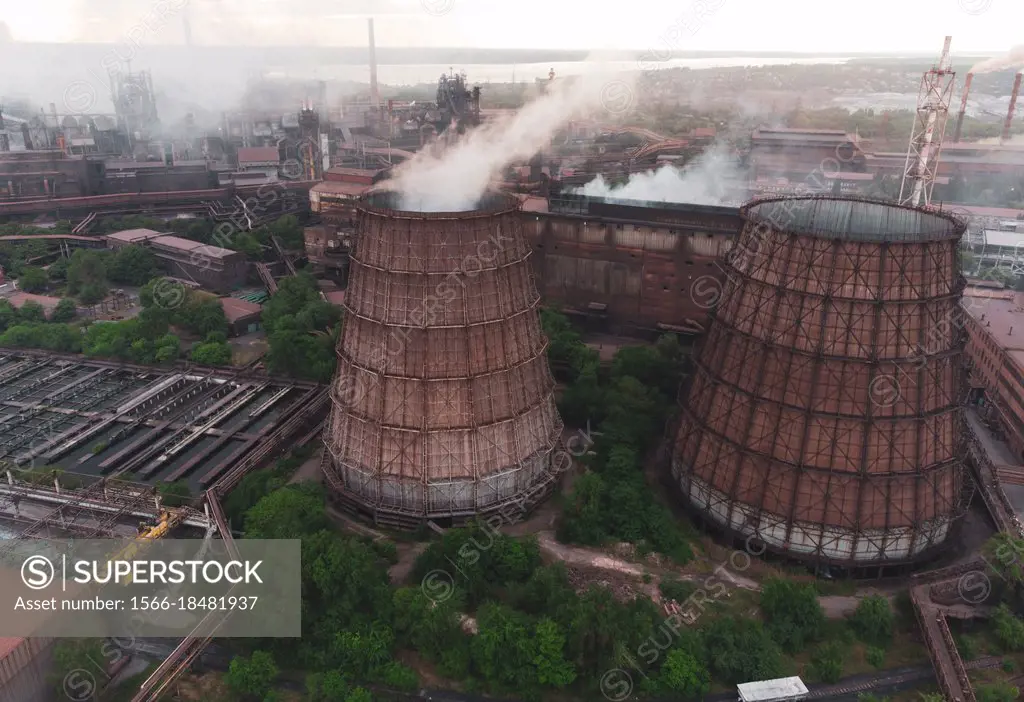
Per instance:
x=1013, y=105
x=963, y=108
x=374, y=92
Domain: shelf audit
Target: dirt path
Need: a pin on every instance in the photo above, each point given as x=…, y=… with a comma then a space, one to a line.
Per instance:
x=835, y=606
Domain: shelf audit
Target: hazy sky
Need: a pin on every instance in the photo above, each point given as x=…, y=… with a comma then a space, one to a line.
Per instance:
x=986, y=26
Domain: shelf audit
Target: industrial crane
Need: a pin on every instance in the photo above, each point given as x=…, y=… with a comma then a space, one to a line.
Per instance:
x=928, y=131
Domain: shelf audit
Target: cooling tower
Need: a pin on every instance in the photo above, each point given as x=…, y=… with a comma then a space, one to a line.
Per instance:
x=443, y=399
x=823, y=418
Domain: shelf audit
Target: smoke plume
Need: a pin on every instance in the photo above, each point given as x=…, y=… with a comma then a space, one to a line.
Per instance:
x=1014, y=59
x=714, y=178
x=455, y=179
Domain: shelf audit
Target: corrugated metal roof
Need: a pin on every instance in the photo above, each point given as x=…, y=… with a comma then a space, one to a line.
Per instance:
x=769, y=690
x=132, y=235
x=994, y=237
x=176, y=242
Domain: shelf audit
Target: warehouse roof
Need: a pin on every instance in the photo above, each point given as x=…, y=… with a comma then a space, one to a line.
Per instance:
x=337, y=188
x=133, y=235
x=236, y=309
x=258, y=154
x=176, y=242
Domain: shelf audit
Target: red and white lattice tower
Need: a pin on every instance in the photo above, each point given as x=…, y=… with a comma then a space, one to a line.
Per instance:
x=929, y=129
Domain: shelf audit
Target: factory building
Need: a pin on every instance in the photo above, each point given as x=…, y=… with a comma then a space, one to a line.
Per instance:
x=243, y=316
x=794, y=153
x=823, y=418
x=443, y=402
x=995, y=357
x=211, y=267
x=615, y=265
x=25, y=669
x=48, y=174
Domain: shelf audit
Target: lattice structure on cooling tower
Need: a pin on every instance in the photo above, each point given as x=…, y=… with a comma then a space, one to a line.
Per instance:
x=443, y=400
x=824, y=417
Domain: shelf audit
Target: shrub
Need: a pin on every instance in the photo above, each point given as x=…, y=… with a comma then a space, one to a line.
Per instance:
x=872, y=621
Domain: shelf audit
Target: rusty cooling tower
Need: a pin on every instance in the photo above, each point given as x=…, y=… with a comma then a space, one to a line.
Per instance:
x=443, y=399
x=823, y=416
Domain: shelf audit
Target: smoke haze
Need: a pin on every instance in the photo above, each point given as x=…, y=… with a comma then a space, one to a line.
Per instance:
x=455, y=179
x=711, y=179
x=1014, y=59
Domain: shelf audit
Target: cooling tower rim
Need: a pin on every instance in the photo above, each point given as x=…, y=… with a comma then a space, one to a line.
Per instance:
x=930, y=223
x=381, y=202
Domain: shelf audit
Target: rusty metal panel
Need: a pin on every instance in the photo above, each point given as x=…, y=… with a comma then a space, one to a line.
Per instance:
x=818, y=420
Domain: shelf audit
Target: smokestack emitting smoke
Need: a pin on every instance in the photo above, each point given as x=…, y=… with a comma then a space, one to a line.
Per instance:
x=374, y=92
x=455, y=179
x=963, y=108
x=1013, y=104
x=1012, y=60
x=713, y=178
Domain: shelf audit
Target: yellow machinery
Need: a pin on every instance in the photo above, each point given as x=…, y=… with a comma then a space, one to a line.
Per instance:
x=169, y=518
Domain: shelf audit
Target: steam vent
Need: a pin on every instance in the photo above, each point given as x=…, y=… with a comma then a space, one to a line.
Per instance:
x=823, y=416
x=443, y=403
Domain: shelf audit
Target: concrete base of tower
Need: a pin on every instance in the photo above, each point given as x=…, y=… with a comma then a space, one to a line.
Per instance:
x=408, y=505
x=865, y=552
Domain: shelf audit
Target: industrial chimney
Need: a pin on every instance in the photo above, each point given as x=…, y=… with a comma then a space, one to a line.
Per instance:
x=963, y=108
x=1013, y=105
x=374, y=91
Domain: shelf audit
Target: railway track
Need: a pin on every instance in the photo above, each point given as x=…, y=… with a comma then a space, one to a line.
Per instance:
x=891, y=680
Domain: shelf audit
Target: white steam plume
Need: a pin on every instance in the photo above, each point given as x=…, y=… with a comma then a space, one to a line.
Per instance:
x=1014, y=59
x=455, y=179
x=713, y=178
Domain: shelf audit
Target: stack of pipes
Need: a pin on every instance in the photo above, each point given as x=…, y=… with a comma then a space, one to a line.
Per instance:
x=963, y=108
x=1013, y=105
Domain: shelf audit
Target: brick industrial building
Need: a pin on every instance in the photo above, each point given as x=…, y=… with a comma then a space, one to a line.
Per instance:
x=995, y=357
x=212, y=267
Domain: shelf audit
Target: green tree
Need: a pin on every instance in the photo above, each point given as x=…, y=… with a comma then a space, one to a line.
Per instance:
x=58, y=270
x=827, y=662
x=330, y=686
x=32, y=313
x=872, y=621
x=740, y=650
x=997, y=692
x=287, y=513
x=1009, y=629
x=132, y=265
x=32, y=279
x=87, y=276
x=251, y=678
x=213, y=352
x=501, y=651
x=683, y=674
x=65, y=311
x=8, y=315
x=792, y=613
x=549, y=655
x=431, y=627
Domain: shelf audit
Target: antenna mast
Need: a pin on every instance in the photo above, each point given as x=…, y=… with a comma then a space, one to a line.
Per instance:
x=929, y=129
